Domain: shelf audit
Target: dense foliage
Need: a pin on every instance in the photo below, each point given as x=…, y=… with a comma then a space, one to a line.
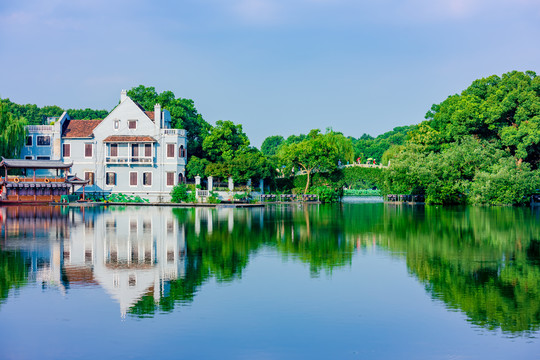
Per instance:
x=35, y=115
x=368, y=147
x=481, y=146
x=12, y=133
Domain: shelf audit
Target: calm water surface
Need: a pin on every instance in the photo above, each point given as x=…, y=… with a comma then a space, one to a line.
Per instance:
x=352, y=281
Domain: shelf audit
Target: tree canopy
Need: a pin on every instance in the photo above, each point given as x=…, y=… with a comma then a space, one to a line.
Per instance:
x=316, y=152
x=12, y=133
x=480, y=146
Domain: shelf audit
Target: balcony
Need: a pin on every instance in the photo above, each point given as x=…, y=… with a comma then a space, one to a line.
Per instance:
x=40, y=128
x=173, y=132
x=129, y=160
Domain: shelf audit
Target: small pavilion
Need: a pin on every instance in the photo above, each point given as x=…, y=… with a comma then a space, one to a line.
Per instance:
x=33, y=189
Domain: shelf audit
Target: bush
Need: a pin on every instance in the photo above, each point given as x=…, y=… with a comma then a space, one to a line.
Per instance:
x=179, y=193
x=213, y=198
x=326, y=194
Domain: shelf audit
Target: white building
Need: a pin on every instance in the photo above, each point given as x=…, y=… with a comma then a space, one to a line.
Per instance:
x=131, y=151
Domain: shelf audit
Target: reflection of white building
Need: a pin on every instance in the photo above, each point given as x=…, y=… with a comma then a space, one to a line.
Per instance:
x=131, y=252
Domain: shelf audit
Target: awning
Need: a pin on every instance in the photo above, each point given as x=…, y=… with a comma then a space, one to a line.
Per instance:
x=34, y=164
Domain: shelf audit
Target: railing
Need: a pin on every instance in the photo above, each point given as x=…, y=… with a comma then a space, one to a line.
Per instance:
x=202, y=193
x=174, y=132
x=129, y=160
x=40, y=128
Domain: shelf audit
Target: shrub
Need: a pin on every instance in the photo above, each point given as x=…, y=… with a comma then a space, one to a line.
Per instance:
x=179, y=193
x=326, y=194
x=213, y=198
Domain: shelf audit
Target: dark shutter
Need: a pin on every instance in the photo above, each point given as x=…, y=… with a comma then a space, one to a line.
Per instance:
x=133, y=178
x=135, y=150
x=66, y=149
x=170, y=150
x=88, y=150
x=147, y=150
x=170, y=179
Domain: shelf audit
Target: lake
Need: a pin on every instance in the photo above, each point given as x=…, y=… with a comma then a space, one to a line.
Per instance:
x=359, y=280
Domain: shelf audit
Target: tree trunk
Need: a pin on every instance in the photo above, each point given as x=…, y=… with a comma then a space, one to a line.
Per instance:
x=307, y=182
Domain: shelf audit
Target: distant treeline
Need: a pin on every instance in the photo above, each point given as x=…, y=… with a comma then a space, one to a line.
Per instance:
x=35, y=115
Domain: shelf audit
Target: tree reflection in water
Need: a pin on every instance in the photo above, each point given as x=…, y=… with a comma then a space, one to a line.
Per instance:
x=484, y=262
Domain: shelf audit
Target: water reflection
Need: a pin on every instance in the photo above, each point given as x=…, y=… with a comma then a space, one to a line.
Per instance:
x=484, y=262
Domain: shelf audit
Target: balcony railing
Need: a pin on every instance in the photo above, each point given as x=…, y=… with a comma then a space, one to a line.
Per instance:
x=143, y=160
x=174, y=132
x=40, y=128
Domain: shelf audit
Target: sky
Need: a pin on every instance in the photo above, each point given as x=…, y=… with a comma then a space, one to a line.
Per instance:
x=278, y=67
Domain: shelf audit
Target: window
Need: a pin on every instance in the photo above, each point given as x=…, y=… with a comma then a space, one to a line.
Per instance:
x=29, y=140
x=148, y=150
x=28, y=157
x=43, y=158
x=170, y=179
x=182, y=151
x=88, y=150
x=114, y=149
x=88, y=175
x=170, y=150
x=181, y=178
x=147, y=179
x=116, y=124
x=66, y=150
x=110, y=178
x=135, y=150
x=133, y=178
x=132, y=124
x=43, y=140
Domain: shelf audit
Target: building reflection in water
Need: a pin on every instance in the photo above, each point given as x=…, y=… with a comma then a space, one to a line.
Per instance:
x=126, y=251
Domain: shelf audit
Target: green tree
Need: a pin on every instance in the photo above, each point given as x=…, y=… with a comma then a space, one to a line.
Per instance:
x=317, y=152
x=250, y=164
x=480, y=146
x=196, y=166
x=224, y=140
x=271, y=144
x=12, y=133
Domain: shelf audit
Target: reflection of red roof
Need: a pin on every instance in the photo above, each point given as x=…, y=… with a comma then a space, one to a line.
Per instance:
x=80, y=128
x=81, y=275
x=129, y=138
x=150, y=114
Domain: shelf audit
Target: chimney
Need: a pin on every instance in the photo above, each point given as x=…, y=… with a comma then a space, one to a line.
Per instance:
x=123, y=95
x=157, y=116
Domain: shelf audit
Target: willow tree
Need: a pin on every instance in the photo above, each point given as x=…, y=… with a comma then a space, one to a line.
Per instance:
x=12, y=133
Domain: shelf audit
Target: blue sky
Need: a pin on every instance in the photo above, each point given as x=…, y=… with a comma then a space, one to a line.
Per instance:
x=274, y=66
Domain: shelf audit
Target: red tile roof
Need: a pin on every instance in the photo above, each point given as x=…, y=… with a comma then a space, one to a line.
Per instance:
x=129, y=138
x=80, y=128
x=150, y=114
